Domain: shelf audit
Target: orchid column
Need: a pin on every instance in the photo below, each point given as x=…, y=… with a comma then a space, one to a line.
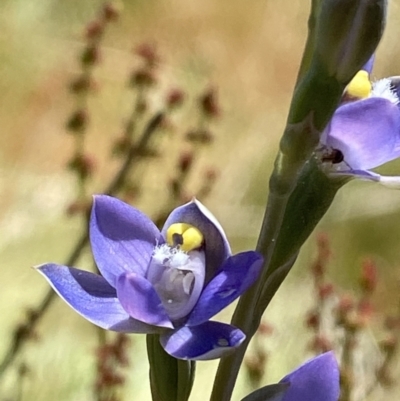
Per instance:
x=343, y=35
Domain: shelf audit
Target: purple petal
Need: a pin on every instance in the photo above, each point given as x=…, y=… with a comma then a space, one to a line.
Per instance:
x=395, y=86
x=92, y=297
x=392, y=182
x=122, y=238
x=360, y=174
x=316, y=380
x=210, y=340
x=217, y=248
x=140, y=300
x=367, y=132
x=369, y=64
x=236, y=275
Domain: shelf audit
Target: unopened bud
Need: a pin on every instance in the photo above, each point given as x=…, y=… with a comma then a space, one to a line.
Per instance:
x=348, y=32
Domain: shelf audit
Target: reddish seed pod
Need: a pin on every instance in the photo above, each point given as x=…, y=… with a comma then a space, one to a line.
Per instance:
x=313, y=320
x=78, y=121
x=185, y=161
x=110, y=11
x=175, y=98
x=369, y=276
x=148, y=53
x=143, y=78
x=202, y=136
x=90, y=56
x=325, y=290
x=209, y=104
x=94, y=30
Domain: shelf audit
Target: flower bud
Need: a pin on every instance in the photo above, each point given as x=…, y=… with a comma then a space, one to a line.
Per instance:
x=347, y=34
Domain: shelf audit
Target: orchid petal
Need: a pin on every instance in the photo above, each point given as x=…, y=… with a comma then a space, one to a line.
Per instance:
x=236, y=275
x=395, y=85
x=316, y=380
x=216, y=246
x=139, y=298
x=360, y=174
x=92, y=297
x=390, y=182
x=369, y=64
x=367, y=132
x=207, y=341
x=122, y=238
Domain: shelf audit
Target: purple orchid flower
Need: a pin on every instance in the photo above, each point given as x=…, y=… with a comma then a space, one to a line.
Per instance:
x=170, y=282
x=315, y=380
x=364, y=132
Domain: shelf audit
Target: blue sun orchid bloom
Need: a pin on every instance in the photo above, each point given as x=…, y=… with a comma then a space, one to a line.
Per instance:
x=315, y=380
x=364, y=131
x=170, y=282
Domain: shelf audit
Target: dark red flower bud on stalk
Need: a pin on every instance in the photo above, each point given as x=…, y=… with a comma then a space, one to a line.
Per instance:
x=78, y=121
x=83, y=164
x=202, y=136
x=369, y=276
x=111, y=11
x=209, y=104
x=94, y=30
x=148, y=53
x=185, y=161
x=175, y=98
x=325, y=290
x=90, y=55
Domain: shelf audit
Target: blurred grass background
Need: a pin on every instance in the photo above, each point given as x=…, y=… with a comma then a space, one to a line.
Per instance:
x=251, y=52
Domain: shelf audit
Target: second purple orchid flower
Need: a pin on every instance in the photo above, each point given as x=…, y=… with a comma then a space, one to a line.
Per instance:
x=364, y=132
x=170, y=282
x=315, y=380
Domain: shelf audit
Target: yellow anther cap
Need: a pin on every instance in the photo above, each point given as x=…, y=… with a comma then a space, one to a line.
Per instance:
x=360, y=86
x=186, y=236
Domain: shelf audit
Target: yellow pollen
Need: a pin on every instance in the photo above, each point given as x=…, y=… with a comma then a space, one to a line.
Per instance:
x=360, y=86
x=184, y=235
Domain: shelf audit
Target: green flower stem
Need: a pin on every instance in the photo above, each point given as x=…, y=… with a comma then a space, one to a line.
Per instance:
x=310, y=43
x=313, y=104
x=299, y=192
x=171, y=379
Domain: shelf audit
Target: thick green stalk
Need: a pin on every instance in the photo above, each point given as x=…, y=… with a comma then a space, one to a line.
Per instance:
x=171, y=379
